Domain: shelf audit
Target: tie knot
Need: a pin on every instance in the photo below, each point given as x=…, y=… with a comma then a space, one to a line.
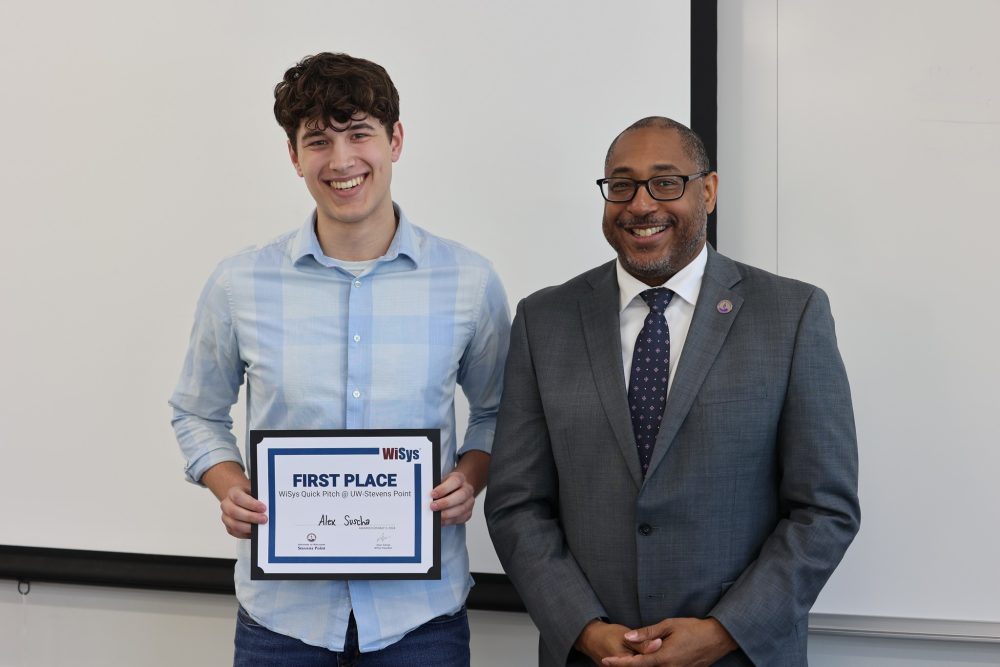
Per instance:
x=657, y=298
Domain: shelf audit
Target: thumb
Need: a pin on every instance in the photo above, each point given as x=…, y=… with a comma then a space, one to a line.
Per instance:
x=640, y=635
x=651, y=646
x=648, y=632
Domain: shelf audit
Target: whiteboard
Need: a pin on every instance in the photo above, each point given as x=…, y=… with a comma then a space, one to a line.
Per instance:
x=859, y=151
x=141, y=149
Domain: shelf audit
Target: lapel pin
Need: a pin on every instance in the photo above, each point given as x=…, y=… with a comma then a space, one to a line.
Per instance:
x=724, y=306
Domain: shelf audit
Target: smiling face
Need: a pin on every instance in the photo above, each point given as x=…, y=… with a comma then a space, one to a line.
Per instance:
x=347, y=169
x=655, y=239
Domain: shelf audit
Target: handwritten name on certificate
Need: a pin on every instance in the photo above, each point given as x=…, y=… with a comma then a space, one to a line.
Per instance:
x=346, y=504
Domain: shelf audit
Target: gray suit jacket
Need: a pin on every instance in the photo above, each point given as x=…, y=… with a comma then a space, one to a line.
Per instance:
x=751, y=496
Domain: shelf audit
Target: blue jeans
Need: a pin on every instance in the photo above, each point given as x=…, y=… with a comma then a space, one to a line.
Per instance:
x=440, y=642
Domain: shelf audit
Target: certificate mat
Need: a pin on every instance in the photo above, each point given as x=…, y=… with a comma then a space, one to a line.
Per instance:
x=346, y=504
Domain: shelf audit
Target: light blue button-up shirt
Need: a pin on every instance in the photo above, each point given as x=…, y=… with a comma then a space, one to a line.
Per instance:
x=321, y=348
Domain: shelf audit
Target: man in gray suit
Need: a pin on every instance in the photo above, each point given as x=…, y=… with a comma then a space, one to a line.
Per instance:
x=704, y=535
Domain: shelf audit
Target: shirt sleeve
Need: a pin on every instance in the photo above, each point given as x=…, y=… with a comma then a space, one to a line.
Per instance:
x=209, y=384
x=480, y=371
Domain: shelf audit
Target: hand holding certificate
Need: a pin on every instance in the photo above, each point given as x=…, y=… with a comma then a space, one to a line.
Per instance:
x=346, y=504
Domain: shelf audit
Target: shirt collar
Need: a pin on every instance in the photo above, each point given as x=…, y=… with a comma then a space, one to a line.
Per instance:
x=686, y=283
x=404, y=242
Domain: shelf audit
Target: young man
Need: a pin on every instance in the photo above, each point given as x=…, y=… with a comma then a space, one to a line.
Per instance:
x=675, y=468
x=357, y=320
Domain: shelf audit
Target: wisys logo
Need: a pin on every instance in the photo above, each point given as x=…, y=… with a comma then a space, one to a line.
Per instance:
x=400, y=454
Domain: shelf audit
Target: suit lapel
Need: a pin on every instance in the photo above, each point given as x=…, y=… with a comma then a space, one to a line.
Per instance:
x=599, y=313
x=705, y=337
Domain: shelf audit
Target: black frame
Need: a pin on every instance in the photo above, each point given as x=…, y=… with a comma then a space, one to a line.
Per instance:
x=258, y=435
x=215, y=575
x=704, y=85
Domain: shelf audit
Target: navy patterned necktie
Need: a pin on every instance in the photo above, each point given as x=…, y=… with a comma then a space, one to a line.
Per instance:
x=647, y=387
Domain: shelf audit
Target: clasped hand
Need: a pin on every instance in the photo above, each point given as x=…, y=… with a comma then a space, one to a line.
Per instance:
x=687, y=642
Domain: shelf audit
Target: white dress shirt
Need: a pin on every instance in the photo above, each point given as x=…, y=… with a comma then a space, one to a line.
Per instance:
x=686, y=285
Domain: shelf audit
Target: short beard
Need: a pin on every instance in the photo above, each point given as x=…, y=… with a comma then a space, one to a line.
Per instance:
x=659, y=269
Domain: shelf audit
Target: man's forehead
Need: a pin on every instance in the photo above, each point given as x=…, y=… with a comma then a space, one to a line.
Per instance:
x=648, y=149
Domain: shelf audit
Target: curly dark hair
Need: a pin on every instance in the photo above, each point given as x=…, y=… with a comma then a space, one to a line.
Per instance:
x=331, y=88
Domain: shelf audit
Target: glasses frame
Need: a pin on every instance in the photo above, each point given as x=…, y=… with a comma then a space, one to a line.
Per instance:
x=645, y=184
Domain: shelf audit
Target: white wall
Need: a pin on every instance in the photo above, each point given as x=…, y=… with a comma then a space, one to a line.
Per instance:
x=836, y=119
x=57, y=625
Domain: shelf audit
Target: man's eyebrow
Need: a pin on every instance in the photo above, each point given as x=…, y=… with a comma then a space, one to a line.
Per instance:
x=354, y=125
x=309, y=134
x=663, y=167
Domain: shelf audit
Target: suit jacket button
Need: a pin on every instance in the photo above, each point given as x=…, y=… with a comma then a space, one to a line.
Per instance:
x=645, y=529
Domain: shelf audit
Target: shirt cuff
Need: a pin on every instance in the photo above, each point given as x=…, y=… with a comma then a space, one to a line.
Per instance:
x=480, y=439
x=199, y=466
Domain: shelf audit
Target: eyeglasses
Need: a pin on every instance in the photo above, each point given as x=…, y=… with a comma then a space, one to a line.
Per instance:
x=660, y=188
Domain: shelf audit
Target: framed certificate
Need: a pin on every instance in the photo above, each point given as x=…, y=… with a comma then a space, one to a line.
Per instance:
x=346, y=504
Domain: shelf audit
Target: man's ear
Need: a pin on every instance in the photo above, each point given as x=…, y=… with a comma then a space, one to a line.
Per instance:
x=396, y=141
x=711, y=190
x=294, y=157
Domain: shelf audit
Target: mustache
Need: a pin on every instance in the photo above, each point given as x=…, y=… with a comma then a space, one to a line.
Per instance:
x=653, y=219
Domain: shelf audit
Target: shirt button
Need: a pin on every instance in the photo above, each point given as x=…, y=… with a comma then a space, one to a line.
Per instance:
x=357, y=283
x=356, y=394
x=645, y=529
x=357, y=338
